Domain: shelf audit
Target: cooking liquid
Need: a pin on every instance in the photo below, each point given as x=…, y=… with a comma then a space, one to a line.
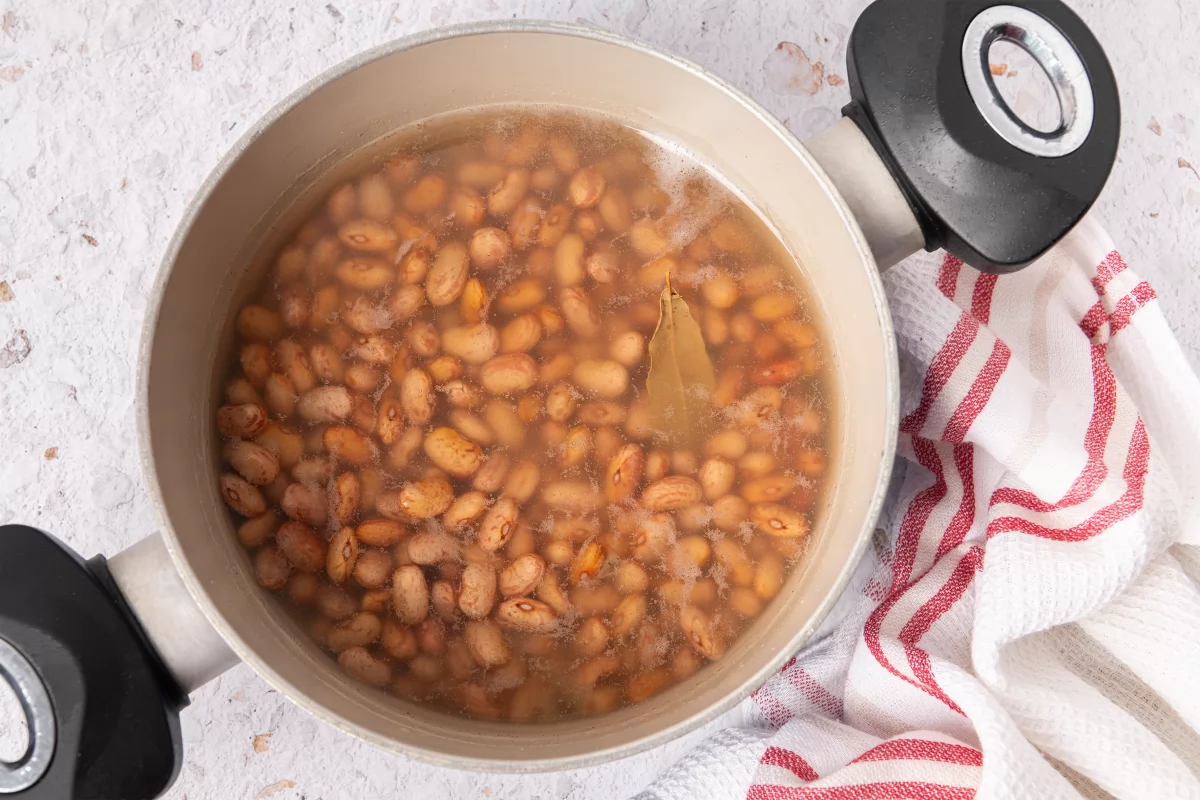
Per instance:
x=536, y=596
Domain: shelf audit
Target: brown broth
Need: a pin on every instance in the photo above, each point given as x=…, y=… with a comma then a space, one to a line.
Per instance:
x=396, y=359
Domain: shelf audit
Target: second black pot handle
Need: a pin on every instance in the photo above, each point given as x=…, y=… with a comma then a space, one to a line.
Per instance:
x=981, y=183
x=102, y=709
x=101, y=655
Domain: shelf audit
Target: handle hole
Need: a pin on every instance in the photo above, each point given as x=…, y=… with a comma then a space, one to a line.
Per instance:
x=1058, y=64
x=14, y=725
x=1024, y=86
x=27, y=729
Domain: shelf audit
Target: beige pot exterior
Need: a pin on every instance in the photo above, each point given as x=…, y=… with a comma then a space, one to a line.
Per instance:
x=295, y=152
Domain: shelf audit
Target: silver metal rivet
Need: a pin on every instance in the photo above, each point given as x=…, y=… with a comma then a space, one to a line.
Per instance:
x=1054, y=54
x=39, y=714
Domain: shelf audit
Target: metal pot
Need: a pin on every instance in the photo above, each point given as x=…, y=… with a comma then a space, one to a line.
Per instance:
x=103, y=654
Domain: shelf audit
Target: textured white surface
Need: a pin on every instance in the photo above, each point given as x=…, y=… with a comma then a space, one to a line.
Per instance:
x=112, y=113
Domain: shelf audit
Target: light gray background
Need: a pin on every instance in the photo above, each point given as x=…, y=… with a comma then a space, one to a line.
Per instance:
x=112, y=113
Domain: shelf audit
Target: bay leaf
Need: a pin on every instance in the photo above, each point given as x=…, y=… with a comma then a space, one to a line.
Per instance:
x=681, y=381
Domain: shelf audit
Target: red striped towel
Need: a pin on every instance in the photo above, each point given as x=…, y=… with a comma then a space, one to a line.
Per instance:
x=1027, y=624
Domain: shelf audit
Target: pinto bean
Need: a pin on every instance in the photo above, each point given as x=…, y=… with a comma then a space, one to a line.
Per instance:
x=658, y=462
x=417, y=396
x=522, y=575
x=432, y=547
x=478, y=592
x=652, y=538
x=699, y=632
x=427, y=194
x=526, y=614
x=586, y=187
x=358, y=663
x=255, y=463
x=444, y=599
x=474, y=300
x=521, y=334
x=631, y=578
x=522, y=481
x=561, y=402
x=259, y=324
x=468, y=207
x=505, y=195
x=587, y=562
x=509, y=373
x=671, y=493
x=238, y=391
x=398, y=640
x=628, y=349
x=481, y=174
x=420, y=499
x=341, y=556
x=242, y=496
x=564, y=154
x=768, y=489
x=524, y=222
x=334, y=603
x=491, y=476
x=325, y=404
x=360, y=630
x=605, y=443
x=301, y=545
x=498, y=524
x=520, y=296
x=287, y=445
x=729, y=444
x=614, y=210
x=738, y=566
x=489, y=247
x=628, y=615
x=649, y=240
x=459, y=661
x=431, y=637
x=717, y=477
x=454, y=453
x=580, y=312
x=474, y=344
x=271, y=568
x=595, y=598
x=780, y=521
x=486, y=643
x=410, y=595
x=555, y=224
x=373, y=569
x=256, y=531
x=256, y=363
x=572, y=496
x=448, y=275
x=607, y=379
x=569, y=266
x=403, y=303
x=379, y=532
x=368, y=235
x=348, y=445
x=365, y=273
x=465, y=509
x=502, y=418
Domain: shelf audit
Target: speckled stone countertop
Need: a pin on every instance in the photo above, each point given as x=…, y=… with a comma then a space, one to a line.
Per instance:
x=111, y=115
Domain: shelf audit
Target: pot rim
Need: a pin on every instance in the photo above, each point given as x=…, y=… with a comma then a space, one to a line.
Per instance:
x=247, y=652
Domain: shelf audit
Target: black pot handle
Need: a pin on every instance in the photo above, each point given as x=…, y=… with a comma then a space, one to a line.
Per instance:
x=102, y=708
x=981, y=183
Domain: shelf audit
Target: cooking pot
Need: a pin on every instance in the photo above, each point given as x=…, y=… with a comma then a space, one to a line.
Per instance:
x=104, y=653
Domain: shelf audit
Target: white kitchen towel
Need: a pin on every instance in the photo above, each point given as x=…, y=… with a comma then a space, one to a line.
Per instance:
x=1027, y=624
